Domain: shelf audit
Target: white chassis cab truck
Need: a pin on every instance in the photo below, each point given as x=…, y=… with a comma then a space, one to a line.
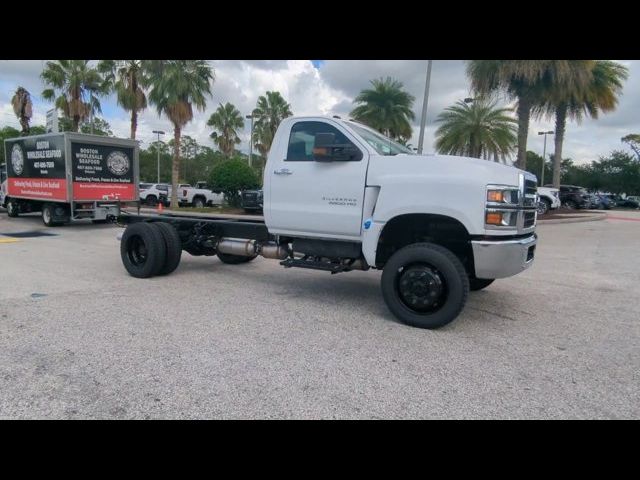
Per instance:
x=339, y=196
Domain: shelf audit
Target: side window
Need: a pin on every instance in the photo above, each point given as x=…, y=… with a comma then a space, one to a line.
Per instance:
x=303, y=136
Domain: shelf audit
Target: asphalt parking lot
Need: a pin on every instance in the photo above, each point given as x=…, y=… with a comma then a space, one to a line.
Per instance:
x=79, y=338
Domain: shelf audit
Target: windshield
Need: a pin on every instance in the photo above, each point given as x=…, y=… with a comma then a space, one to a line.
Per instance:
x=380, y=143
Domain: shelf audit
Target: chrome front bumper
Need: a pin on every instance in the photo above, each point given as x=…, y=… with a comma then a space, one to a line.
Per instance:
x=503, y=258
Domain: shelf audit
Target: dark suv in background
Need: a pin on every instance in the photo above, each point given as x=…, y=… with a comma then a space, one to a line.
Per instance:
x=572, y=196
x=251, y=200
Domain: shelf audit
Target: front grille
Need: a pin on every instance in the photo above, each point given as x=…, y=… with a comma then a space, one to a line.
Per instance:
x=530, y=187
x=529, y=219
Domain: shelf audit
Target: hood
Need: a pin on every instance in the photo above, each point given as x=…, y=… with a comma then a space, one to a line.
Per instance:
x=446, y=166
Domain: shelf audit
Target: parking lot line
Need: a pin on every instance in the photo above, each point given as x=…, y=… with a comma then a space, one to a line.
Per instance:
x=8, y=240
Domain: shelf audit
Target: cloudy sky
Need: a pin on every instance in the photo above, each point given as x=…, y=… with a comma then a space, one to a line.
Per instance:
x=328, y=87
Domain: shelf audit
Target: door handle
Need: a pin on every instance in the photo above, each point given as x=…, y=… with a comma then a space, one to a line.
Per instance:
x=283, y=171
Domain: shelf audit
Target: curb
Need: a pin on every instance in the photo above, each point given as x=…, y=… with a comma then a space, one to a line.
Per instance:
x=585, y=218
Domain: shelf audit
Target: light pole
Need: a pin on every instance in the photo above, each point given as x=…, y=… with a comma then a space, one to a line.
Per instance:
x=423, y=119
x=544, y=153
x=159, y=132
x=250, y=141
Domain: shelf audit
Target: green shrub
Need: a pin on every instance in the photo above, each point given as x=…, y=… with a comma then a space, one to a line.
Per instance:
x=230, y=177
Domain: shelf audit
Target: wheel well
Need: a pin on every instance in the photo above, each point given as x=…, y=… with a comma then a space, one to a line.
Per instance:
x=404, y=230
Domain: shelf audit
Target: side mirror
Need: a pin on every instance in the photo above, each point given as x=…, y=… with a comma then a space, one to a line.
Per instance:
x=325, y=149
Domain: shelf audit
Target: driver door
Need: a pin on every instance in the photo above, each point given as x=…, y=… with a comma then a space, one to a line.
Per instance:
x=311, y=198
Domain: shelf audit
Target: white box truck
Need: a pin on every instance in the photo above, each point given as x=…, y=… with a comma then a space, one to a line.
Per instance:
x=70, y=176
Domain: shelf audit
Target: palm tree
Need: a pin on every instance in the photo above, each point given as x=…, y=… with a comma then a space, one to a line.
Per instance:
x=521, y=80
x=23, y=108
x=177, y=86
x=386, y=107
x=270, y=110
x=226, y=120
x=477, y=130
x=633, y=140
x=577, y=98
x=128, y=78
x=71, y=81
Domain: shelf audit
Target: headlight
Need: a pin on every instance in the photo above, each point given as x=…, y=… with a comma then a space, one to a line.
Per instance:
x=502, y=204
x=502, y=195
x=502, y=218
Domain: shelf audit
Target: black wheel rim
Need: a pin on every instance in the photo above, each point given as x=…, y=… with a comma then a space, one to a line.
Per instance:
x=421, y=288
x=137, y=251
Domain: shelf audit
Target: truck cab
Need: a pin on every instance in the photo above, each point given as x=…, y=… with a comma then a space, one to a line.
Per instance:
x=358, y=187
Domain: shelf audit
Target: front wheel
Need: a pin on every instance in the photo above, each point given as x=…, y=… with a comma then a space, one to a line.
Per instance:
x=571, y=205
x=425, y=285
x=198, y=203
x=13, y=210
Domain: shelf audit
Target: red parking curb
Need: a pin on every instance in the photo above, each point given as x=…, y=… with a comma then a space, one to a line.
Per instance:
x=609, y=217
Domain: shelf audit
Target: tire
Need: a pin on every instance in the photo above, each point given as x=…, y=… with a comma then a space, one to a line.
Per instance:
x=174, y=247
x=152, y=200
x=571, y=205
x=543, y=206
x=198, y=202
x=99, y=222
x=234, y=259
x=476, y=284
x=447, y=279
x=13, y=209
x=143, y=250
x=47, y=216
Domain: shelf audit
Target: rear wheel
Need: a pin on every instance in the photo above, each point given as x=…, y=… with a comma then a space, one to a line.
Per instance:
x=13, y=210
x=425, y=285
x=476, y=284
x=234, y=259
x=174, y=247
x=47, y=215
x=143, y=250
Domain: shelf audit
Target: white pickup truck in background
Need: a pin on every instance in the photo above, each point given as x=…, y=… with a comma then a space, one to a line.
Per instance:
x=199, y=196
x=339, y=196
x=548, y=199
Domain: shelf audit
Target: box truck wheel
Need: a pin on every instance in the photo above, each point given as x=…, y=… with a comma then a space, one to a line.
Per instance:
x=47, y=215
x=13, y=209
x=234, y=259
x=174, y=247
x=425, y=285
x=143, y=250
